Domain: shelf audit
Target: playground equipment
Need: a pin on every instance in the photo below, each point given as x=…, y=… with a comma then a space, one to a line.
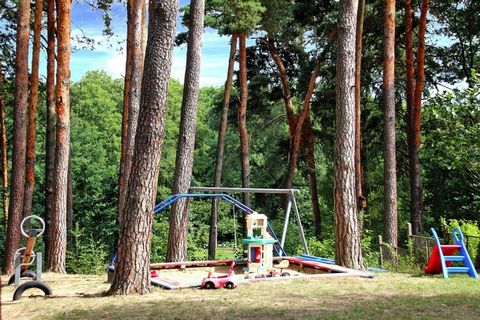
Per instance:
x=227, y=281
x=291, y=203
x=443, y=257
x=24, y=257
x=261, y=240
x=260, y=246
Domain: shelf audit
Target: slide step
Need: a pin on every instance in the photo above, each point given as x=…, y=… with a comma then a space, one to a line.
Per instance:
x=455, y=258
x=457, y=269
x=450, y=246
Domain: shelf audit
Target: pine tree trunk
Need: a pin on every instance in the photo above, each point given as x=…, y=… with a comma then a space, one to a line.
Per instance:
x=58, y=223
x=295, y=139
x=3, y=146
x=222, y=131
x=19, y=135
x=287, y=94
x=32, y=117
x=309, y=140
x=242, y=119
x=177, y=236
x=131, y=97
x=70, y=217
x=390, y=176
x=133, y=253
x=415, y=124
x=51, y=122
x=358, y=101
x=410, y=95
x=348, y=251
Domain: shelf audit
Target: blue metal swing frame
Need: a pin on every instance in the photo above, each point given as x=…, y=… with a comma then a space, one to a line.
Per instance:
x=160, y=207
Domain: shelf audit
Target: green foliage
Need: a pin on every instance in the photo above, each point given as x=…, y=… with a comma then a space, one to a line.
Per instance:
x=324, y=248
x=470, y=230
x=451, y=153
x=85, y=254
x=230, y=16
x=96, y=102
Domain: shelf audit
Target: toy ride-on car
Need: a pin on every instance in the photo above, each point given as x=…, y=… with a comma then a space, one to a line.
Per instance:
x=227, y=281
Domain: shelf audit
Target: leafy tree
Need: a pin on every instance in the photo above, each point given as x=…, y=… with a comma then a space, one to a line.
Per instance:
x=96, y=125
x=458, y=51
x=451, y=155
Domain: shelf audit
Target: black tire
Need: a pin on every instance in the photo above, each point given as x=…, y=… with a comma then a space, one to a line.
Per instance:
x=229, y=285
x=17, y=295
x=209, y=285
x=23, y=274
x=285, y=274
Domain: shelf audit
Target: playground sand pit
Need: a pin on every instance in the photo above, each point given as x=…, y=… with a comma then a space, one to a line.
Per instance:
x=192, y=276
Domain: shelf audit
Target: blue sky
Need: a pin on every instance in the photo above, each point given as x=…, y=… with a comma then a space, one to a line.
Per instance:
x=107, y=56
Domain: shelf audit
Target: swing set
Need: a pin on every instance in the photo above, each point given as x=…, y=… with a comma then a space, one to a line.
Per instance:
x=221, y=193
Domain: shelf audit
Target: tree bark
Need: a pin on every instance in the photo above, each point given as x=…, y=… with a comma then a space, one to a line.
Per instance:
x=242, y=119
x=415, y=125
x=410, y=95
x=70, y=217
x=19, y=135
x=133, y=253
x=177, y=236
x=348, y=250
x=287, y=94
x=222, y=131
x=358, y=101
x=3, y=146
x=58, y=224
x=309, y=140
x=295, y=139
x=32, y=117
x=389, y=141
x=131, y=96
x=51, y=122
x=295, y=121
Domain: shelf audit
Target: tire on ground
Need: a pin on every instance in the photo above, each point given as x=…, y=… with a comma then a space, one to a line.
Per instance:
x=17, y=295
x=23, y=274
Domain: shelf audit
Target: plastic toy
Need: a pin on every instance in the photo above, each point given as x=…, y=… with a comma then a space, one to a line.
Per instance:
x=227, y=281
x=443, y=257
x=23, y=261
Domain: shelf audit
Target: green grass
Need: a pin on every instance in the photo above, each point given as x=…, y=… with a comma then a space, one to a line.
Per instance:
x=221, y=253
x=388, y=296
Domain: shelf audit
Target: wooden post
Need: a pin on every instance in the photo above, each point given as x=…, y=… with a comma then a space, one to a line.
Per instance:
x=409, y=231
x=380, y=244
x=427, y=249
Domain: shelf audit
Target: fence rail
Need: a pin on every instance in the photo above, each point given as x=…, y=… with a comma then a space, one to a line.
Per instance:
x=422, y=246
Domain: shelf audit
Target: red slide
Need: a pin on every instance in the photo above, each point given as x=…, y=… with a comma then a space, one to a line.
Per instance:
x=434, y=264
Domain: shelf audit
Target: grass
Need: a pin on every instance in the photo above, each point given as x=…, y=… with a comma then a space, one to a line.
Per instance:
x=221, y=253
x=388, y=296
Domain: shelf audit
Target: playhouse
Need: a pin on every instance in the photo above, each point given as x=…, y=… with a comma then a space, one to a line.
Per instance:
x=259, y=243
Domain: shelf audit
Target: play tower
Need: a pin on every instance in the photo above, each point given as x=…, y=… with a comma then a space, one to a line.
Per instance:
x=259, y=242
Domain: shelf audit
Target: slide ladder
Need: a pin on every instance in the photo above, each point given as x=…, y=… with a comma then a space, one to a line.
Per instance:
x=443, y=257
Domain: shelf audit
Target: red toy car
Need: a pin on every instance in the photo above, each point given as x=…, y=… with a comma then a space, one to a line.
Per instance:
x=227, y=281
